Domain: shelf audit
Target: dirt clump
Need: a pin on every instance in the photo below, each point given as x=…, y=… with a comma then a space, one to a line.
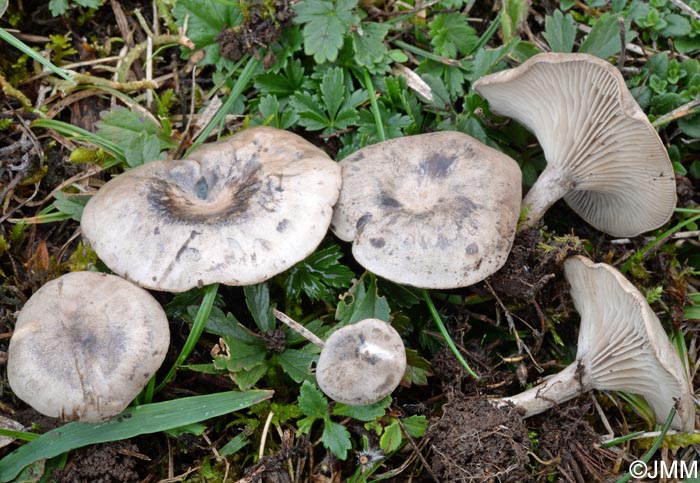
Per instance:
x=474, y=441
x=113, y=462
x=568, y=445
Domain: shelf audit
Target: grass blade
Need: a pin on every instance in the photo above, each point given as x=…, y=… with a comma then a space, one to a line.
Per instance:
x=25, y=49
x=149, y=418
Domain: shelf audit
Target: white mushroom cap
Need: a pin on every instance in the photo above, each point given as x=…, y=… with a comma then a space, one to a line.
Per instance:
x=621, y=347
x=238, y=212
x=603, y=155
x=361, y=363
x=84, y=346
x=435, y=210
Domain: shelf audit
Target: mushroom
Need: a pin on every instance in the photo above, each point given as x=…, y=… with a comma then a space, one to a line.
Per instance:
x=435, y=210
x=621, y=347
x=360, y=363
x=84, y=346
x=603, y=156
x=238, y=211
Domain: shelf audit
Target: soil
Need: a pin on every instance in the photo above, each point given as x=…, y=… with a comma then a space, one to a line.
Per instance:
x=474, y=441
x=112, y=462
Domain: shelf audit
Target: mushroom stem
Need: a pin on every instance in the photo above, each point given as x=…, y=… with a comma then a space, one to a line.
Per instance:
x=557, y=389
x=551, y=186
x=298, y=328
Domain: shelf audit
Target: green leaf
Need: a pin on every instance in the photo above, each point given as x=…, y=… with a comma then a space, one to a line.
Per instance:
x=318, y=275
x=311, y=401
x=362, y=303
x=205, y=20
x=282, y=84
x=677, y=26
x=138, y=136
x=333, y=90
x=72, y=205
x=325, y=24
x=363, y=413
x=560, y=32
x=690, y=125
x=257, y=298
x=134, y=421
x=304, y=424
x=604, y=38
x=415, y=425
x=241, y=355
x=514, y=13
x=246, y=379
x=297, y=364
x=58, y=7
x=450, y=33
x=393, y=123
x=276, y=114
x=485, y=60
x=142, y=148
x=336, y=438
x=391, y=438
x=236, y=444
x=368, y=43
x=417, y=368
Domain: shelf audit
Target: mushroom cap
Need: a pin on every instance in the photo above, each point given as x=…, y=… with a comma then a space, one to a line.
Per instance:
x=594, y=135
x=238, y=212
x=435, y=210
x=361, y=363
x=622, y=344
x=84, y=346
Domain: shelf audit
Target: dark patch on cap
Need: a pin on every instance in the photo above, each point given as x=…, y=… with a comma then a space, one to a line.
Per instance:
x=386, y=201
x=466, y=206
x=362, y=221
x=437, y=166
x=472, y=249
x=377, y=242
x=176, y=204
x=156, y=231
x=201, y=188
x=282, y=225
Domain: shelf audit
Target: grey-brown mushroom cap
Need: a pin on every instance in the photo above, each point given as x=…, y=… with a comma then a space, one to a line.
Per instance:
x=361, y=363
x=622, y=344
x=238, y=212
x=84, y=346
x=603, y=156
x=435, y=210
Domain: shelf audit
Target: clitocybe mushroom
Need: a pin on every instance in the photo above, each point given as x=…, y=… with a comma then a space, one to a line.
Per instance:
x=84, y=346
x=237, y=211
x=603, y=156
x=360, y=363
x=621, y=347
x=435, y=210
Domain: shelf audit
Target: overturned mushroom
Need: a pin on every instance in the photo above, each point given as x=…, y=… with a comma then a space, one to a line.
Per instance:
x=434, y=210
x=603, y=156
x=621, y=347
x=360, y=363
x=84, y=346
x=238, y=212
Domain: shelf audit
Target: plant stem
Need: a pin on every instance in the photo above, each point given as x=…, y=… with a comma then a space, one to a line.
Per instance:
x=298, y=328
x=446, y=335
x=197, y=328
x=375, y=107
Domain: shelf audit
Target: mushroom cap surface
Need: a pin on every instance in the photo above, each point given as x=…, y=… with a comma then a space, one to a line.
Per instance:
x=622, y=344
x=84, y=346
x=238, y=212
x=435, y=210
x=595, y=137
x=361, y=363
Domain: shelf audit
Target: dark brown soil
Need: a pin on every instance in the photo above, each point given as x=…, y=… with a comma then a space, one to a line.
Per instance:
x=474, y=441
x=113, y=462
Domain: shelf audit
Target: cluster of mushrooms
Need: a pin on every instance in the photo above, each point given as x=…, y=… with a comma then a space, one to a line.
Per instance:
x=436, y=210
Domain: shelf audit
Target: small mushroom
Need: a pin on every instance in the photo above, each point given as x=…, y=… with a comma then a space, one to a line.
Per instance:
x=84, y=346
x=238, y=212
x=435, y=210
x=360, y=363
x=603, y=156
x=621, y=347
